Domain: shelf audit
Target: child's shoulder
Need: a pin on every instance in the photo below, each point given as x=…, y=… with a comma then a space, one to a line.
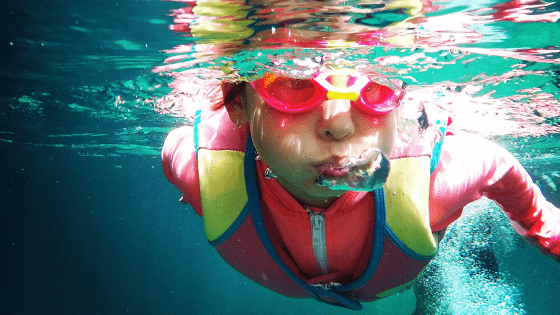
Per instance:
x=179, y=141
x=178, y=159
x=179, y=135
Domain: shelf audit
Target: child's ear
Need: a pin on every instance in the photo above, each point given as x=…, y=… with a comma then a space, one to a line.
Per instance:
x=233, y=103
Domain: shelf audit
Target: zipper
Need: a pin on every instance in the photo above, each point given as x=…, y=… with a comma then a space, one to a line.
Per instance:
x=319, y=240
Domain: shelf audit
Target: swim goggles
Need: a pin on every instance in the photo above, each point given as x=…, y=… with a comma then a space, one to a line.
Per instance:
x=290, y=95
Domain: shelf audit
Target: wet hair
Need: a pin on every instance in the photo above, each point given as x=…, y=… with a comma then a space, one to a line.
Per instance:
x=231, y=91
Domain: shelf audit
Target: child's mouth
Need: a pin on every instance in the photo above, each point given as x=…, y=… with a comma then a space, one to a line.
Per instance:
x=367, y=172
x=333, y=170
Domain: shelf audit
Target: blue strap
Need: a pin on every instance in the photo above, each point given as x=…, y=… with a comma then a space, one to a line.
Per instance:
x=403, y=248
x=441, y=124
x=195, y=126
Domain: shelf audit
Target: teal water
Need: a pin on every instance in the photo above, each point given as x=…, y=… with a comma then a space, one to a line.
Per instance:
x=91, y=226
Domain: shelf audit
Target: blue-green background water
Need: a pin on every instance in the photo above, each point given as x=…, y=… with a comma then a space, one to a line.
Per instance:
x=91, y=226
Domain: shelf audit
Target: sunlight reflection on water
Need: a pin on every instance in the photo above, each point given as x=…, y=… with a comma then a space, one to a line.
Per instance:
x=475, y=57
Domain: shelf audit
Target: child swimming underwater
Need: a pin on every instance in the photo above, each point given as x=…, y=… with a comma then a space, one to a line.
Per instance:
x=306, y=187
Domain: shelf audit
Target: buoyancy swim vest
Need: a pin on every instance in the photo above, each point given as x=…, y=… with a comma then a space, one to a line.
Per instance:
x=403, y=242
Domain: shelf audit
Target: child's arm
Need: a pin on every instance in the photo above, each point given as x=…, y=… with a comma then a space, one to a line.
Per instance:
x=178, y=159
x=471, y=167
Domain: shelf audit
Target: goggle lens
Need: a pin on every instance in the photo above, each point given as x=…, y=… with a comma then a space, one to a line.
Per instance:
x=292, y=91
x=378, y=98
x=292, y=95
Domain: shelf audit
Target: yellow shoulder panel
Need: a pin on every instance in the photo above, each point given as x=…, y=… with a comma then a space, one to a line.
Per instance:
x=407, y=203
x=222, y=189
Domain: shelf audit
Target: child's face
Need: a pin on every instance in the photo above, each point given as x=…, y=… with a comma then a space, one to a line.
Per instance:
x=297, y=147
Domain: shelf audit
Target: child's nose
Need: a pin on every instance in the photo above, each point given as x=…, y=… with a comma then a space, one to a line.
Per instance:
x=337, y=123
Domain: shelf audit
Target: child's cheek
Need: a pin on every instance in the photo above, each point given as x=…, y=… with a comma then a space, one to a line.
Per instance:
x=388, y=132
x=292, y=144
x=270, y=131
x=375, y=122
x=283, y=136
x=287, y=139
x=286, y=123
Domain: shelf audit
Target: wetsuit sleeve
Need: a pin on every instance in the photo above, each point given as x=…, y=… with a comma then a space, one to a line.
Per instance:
x=178, y=159
x=471, y=167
